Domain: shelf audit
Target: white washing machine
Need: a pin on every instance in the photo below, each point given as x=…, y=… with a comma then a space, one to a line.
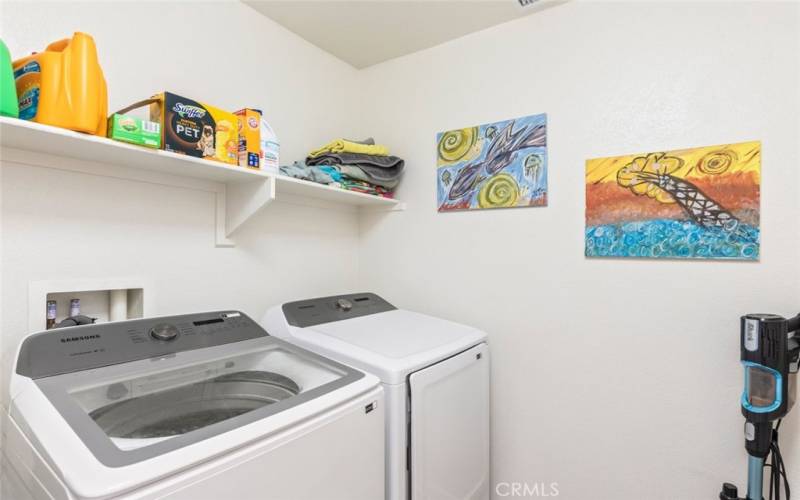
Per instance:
x=194, y=407
x=435, y=375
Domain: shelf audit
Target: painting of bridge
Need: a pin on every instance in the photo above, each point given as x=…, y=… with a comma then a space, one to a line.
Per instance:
x=699, y=203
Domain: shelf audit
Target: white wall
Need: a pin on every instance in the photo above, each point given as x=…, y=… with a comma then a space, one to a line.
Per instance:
x=65, y=225
x=615, y=378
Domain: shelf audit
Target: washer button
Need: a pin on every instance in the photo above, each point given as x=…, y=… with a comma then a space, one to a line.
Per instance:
x=344, y=304
x=164, y=331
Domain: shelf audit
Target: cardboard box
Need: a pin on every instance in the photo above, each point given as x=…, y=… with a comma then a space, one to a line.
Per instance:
x=249, y=137
x=127, y=128
x=258, y=143
x=196, y=129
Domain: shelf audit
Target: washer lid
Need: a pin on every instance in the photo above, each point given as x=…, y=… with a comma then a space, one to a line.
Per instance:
x=394, y=343
x=397, y=334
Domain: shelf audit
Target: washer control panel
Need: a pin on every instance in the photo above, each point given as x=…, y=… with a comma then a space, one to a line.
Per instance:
x=72, y=349
x=305, y=313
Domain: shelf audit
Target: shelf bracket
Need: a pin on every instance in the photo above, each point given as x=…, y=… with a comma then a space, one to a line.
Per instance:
x=236, y=202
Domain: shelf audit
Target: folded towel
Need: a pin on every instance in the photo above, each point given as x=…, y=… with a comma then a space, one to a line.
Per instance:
x=345, y=146
x=386, y=168
x=369, y=140
x=360, y=174
x=322, y=174
x=364, y=187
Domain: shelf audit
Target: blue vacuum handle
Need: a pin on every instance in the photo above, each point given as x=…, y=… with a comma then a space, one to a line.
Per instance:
x=755, y=482
x=755, y=478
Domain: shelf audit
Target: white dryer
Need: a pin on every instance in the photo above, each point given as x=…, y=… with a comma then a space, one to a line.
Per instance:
x=199, y=406
x=435, y=375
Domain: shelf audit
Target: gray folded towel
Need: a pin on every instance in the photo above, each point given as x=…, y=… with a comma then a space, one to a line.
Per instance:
x=384, y=168
x=359, y=174
x=369, y=141
x=313, y=173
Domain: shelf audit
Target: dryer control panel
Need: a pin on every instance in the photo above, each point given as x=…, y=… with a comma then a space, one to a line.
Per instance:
x=305, y=313
x=78, y=348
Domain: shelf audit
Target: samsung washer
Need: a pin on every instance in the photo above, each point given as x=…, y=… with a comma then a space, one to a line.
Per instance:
x=198, y=406
x=435, y=374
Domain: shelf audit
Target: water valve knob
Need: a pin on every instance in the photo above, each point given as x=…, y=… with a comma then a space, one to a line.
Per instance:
x=164, y=331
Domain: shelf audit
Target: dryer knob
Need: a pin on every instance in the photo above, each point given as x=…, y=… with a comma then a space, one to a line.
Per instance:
x=344, y=304
x=164, y=331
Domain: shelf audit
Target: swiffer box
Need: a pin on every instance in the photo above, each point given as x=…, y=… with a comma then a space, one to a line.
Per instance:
x=196, y=129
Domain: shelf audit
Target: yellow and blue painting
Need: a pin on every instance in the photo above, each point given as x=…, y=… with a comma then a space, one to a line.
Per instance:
x=496, y=165
x=698, y=203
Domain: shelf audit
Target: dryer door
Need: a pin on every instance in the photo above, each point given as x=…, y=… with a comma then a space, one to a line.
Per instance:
x=449, y=433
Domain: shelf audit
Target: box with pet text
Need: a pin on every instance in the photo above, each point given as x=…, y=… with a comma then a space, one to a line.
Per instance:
x=196, y=129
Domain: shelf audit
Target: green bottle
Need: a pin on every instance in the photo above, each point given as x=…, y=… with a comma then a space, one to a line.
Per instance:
x=8, y=88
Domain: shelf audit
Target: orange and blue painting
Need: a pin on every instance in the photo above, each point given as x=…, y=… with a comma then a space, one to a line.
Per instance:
x=494, y=165
x=699, y=203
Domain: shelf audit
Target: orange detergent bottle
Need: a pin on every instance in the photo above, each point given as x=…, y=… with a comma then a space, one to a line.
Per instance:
x=64, y=86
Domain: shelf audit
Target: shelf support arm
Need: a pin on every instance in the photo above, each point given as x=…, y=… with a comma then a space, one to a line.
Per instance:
x=237, y=202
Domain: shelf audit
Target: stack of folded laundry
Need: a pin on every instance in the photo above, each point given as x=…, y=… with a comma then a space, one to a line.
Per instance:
x=361, y=166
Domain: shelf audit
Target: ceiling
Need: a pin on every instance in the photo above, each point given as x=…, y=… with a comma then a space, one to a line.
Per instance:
x=366, y=32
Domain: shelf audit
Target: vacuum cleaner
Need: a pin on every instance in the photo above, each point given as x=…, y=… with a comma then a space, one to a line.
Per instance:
x=770, y=347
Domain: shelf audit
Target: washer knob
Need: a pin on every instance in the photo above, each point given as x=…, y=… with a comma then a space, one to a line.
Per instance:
x=164, y=331
x=344, y=304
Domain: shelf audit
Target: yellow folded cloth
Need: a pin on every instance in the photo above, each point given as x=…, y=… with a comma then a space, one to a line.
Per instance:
x=345, y=146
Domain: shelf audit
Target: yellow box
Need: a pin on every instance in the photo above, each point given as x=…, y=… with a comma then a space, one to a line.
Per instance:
x=196, y=129
x=249, y=137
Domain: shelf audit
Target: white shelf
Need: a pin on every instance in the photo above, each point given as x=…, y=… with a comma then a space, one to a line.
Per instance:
x=241, y=191
x=31, y=136
x=307, y=189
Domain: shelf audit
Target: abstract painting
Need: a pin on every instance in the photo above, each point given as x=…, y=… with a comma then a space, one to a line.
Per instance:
x=699, y=203
x=496, y=165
